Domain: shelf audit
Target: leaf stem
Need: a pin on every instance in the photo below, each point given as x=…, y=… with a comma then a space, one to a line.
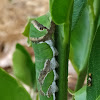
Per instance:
x=80, y=80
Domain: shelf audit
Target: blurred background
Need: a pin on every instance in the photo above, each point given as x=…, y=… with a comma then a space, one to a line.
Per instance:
x=13, y=18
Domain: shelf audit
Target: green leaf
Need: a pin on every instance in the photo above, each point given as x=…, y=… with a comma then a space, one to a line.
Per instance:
x=78, y=7
x=26, y=31
x=93, y=91
x=10, y=89
x=80, y=42
x=70, y=91
x=23, y=67
x=37, y=96
x=99, y=21
x=98, y=98
x=82, y=39
x=81, y=94
x=60, y=10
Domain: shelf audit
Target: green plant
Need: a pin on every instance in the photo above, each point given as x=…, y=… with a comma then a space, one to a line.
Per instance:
x=74, y=36
x=10, y=89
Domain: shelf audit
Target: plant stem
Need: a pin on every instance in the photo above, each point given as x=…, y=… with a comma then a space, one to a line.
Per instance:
x=80, y=80
x=63, y=49
x=62, y=43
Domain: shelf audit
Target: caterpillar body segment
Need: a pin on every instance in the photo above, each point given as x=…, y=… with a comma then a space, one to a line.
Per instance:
x=45, y=60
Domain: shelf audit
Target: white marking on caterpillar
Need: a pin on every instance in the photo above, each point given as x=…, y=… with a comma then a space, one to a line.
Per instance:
x=41, y=92
x=38, y=26
x=49, y=92
x=53, y=63
x=37, y=39
x=44, y=72
x=55, y=75
x=52, y=89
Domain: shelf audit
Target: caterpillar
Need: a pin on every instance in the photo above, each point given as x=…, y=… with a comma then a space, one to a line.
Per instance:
x=45, y=53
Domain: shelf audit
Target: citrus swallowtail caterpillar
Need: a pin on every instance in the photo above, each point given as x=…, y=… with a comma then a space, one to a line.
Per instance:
x=45, y=52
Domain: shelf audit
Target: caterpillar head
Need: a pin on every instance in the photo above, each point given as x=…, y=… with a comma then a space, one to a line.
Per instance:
x=39, y=32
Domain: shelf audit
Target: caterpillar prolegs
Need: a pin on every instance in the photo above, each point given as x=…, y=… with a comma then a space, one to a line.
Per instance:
x=45, y=53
